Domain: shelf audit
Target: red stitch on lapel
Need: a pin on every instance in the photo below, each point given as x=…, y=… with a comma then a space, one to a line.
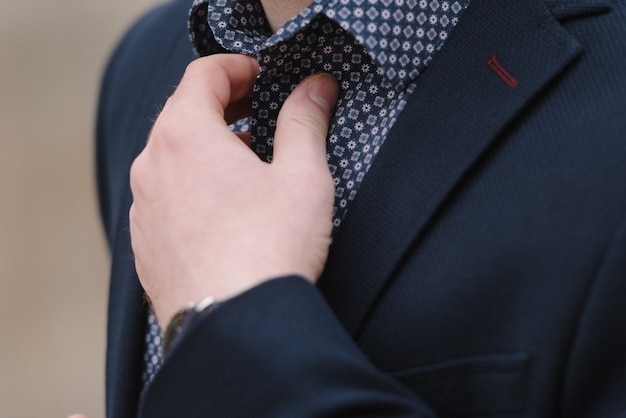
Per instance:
x=501, y=72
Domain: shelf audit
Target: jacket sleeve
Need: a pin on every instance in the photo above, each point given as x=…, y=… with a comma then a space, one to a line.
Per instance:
x=274, y=351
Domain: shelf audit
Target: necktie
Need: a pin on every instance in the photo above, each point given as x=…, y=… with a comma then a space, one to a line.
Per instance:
x=375, y=50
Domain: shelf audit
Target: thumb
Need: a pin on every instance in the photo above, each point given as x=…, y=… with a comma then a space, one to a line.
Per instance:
x=302, y=124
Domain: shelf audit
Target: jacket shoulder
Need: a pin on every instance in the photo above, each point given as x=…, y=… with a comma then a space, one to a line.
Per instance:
x=142, y=72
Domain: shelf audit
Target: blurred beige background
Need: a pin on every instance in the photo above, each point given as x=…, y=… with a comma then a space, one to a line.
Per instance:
x=53, y=259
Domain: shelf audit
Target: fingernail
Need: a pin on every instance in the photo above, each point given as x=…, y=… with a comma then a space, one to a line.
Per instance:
x=323, y=91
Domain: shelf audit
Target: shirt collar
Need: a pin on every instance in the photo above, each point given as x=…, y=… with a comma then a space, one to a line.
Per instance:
x=401, y=36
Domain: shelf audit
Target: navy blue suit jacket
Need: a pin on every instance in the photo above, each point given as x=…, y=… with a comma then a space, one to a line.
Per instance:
x=481, y=270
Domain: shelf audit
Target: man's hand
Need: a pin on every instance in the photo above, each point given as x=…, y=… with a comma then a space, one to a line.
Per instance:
x=209, y=218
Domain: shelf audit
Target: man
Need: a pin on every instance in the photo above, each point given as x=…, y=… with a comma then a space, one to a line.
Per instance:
x=477, y=155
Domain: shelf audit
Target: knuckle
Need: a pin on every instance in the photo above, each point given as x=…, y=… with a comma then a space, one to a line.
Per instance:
x=137, y=170
x=165, y=132
x=196, y=67
x=139, y=268
x=311, y=123
x=200, y=67
x=132, y=217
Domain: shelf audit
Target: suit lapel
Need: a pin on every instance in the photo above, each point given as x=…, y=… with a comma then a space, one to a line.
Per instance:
x=498, y=58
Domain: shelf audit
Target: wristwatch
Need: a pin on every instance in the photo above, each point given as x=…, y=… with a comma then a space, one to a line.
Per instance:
x=182, y=319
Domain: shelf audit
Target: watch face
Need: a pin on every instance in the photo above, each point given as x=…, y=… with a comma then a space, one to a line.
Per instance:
x=182, y=319
x=173, y=331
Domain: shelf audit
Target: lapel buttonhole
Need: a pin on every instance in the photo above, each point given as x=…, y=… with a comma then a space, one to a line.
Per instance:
x=497, y=68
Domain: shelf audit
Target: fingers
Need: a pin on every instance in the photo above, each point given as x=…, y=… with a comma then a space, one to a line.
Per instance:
x=303, y=121
x=216, y=83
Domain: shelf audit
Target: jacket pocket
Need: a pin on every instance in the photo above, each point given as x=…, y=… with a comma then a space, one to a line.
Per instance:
x=472, y=386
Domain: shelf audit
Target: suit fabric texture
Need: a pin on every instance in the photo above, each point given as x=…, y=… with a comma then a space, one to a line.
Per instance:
x=480, y=271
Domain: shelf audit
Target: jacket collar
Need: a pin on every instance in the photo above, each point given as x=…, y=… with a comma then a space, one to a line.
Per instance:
x=509, y=51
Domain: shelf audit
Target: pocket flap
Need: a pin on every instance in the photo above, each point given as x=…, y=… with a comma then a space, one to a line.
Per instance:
x=482, y=385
